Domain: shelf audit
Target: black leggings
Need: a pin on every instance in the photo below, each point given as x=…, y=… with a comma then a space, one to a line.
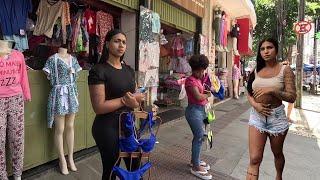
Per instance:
x=105, y=131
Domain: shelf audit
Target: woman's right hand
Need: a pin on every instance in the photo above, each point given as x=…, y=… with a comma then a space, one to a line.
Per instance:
x=208, y=93
x=129, y=100
x=263, y=109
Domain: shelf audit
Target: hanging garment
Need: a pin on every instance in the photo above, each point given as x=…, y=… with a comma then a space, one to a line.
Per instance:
x=146, y=26
x=76, y=30
x=21, y=42
x=177, y=47
x=131, y=143
x=66, y=20
x=63, y=97
x=226, y=30
x=222, y=28
x=149, y=55
x=212, y=86
x=156, y=25
x=47, y=16
x=103, y=25
x=236, y=73
x=189, y=47
x=163, y=51
x=235, y=31
x=183, y=66
x=135, y=175
x=91, y=19
x=13, y=16
x=217, y=26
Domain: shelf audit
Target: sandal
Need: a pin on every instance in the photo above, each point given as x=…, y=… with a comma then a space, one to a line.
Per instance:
x=203, y=164
x=250, y=174
x=201, y=174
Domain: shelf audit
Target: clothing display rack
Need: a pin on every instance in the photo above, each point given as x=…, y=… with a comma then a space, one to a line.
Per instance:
x=139, y=117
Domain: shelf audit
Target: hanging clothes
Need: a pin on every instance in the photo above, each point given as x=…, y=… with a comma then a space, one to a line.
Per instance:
x=63, y=97
x=21, y=42
x=226, y=30
x=177, y=47
x=66, y=22
x=189, y=48
x=156, y=25
x=13, y=16
x=103, y=26
x=222, y=29
x=76, y=30
x=91, y=19
x=217, y=25
x=48, y=14
x=146, y=26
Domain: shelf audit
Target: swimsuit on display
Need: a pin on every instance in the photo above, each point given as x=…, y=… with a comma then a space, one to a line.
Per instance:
x=127, y=175
x=130, y=143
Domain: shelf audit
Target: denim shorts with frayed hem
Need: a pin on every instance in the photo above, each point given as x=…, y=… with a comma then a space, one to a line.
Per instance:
x=275, y=124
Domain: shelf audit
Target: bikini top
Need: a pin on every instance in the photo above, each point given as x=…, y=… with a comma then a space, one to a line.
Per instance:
x=131, y=143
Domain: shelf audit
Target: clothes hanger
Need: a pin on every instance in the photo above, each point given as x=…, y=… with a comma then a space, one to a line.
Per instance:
x=140, y=114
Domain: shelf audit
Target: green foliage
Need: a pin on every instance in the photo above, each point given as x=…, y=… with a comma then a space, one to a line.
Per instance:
x=267, y=21
x=313, y=8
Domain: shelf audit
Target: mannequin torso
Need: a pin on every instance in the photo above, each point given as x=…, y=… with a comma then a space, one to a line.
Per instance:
x=64, y=55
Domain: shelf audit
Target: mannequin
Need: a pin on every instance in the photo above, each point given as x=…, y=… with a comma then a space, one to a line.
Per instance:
x=217, y=27
x=62, y=109
x=235, y=80
x=235, y=34
x=14, y=90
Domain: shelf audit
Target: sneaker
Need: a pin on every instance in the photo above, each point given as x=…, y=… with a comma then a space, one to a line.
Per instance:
x=201, y=174
x=203, y=164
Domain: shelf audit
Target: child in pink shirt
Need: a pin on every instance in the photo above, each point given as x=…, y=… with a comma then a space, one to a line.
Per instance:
x=195, y=113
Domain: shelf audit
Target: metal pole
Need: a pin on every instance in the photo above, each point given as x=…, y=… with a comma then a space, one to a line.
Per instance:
x=315, y=57
x=300, y=58
x=280, y=12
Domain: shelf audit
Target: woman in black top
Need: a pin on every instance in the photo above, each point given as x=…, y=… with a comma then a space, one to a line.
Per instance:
x=112, y=90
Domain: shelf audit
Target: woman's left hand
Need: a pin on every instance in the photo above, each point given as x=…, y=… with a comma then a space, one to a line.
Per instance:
x=262, y=91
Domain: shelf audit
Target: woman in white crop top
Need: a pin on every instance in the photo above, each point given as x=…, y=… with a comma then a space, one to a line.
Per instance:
x=269, y=85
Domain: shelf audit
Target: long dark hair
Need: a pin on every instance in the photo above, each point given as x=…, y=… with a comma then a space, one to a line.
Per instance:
x=260, y=62
x=105, y=52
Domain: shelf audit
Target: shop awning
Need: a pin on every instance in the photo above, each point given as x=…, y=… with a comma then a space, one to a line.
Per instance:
x=238, y=9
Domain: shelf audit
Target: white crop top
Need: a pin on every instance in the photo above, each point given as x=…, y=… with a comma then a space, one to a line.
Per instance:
x=276, y=81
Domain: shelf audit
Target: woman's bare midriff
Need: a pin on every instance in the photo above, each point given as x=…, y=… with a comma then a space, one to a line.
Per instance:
x=269, y=99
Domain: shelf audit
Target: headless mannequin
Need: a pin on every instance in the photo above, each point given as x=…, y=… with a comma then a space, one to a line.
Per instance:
x=65, y=123
x=235, y=37
x=217, y=27
x=235, y=84
x=4, y=51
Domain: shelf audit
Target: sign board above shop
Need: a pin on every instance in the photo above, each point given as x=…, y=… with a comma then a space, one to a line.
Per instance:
x=194, y=6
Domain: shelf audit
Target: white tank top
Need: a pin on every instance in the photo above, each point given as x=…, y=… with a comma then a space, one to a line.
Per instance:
x=276, y=81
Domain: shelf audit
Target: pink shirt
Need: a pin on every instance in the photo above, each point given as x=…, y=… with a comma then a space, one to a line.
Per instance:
x=194, y=82
x=13, y=76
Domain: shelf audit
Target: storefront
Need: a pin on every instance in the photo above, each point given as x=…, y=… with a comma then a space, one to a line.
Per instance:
x=232, y=33
x=178, y=40
x=85, y=45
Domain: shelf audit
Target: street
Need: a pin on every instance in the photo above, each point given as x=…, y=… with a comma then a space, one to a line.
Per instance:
x=228, y=158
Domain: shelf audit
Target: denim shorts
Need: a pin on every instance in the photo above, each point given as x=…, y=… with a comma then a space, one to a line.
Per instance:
x=276, y=123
